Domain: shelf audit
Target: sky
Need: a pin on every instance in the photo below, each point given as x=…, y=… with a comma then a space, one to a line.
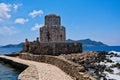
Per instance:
x=98, y=20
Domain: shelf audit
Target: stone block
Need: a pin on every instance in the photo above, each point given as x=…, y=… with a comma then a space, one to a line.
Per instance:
x=56, y=48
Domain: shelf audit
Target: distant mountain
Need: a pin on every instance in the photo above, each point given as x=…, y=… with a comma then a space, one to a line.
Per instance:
x=85, y=42
x=13, y=45
x=88, y=42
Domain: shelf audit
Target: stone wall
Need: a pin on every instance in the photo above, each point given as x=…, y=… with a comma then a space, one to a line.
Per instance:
x=52, y=19
x=15, y=65
x=52, y=39
x=53, y=33
x=55, y=48
x=74, y=70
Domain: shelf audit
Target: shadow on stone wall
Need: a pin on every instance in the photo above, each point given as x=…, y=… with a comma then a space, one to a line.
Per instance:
x=19, y=66
x=73, y=69
x=53, y=48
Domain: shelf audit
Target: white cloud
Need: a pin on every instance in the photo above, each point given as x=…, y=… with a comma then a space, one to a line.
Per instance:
x=4, y=11
x=35, y=13
x=36, y=27
x=16, y=6
x=21, y=20
x=7, y=30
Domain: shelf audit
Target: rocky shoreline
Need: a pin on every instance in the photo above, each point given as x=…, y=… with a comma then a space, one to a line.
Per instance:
x=100, y=65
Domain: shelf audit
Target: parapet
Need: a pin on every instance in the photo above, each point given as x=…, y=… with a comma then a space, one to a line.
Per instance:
x=55, y=48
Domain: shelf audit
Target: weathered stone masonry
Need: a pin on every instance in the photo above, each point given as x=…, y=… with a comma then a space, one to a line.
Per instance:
x=56, y=48
x=52, y=39
x=52, y=31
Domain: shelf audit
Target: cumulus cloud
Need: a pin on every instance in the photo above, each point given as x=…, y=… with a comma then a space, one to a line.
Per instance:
x=4, y=11
x=7, y=30
x=16, y=6
x=36, y=27
x=35, y=13
x=21, y=21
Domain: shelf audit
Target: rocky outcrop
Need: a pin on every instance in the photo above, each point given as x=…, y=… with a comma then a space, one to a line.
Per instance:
x=94, y=63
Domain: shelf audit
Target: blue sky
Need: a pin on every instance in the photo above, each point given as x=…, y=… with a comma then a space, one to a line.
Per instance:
x=95, y=19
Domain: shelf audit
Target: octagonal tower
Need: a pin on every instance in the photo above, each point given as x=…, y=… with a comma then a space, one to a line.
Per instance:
x=52, y=31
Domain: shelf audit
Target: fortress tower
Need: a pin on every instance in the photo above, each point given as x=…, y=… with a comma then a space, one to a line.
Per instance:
x=52, y=31
x=52, y=39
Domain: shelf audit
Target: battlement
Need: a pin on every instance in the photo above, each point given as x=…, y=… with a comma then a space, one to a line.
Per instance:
x=52, y=39
x=52, y=19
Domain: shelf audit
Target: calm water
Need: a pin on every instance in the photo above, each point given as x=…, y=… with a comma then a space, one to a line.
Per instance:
x=6, y=72
x=9, y=50
x=102, y=48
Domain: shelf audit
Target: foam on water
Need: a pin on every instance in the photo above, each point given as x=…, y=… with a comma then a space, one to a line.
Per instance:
x=115, y=75
x=115, y=52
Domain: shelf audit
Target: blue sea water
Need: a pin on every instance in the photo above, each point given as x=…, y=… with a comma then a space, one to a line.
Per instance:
x=9, y=50
x=6, y=72
x=101, y=48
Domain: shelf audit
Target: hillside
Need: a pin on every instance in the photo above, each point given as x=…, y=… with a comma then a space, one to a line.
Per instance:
x=88, y=42
x=13, y=45
x=85, y=42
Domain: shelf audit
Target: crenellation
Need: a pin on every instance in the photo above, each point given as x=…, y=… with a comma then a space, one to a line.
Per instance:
x=26, y=45
x=52, y=19
x=52, y=39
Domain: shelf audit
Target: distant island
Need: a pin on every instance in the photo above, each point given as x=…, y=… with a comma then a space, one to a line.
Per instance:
x=88, y=42
x=85, y=42
x=13, y=45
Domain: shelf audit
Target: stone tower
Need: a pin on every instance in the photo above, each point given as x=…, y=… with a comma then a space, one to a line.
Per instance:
x=52, y=39
x=52, y=31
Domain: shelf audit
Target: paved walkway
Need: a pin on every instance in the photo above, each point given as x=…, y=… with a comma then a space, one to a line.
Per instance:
x=39, y=71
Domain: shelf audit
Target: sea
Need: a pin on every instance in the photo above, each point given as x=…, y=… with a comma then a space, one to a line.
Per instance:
x=102, y=48
x=9, y=50
x=6, y=71
x=9, y=73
